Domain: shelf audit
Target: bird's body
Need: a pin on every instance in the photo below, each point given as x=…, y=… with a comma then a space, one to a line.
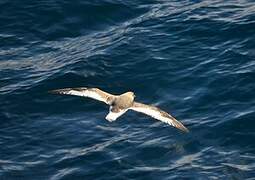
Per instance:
x=119, y=104
x=124, y=101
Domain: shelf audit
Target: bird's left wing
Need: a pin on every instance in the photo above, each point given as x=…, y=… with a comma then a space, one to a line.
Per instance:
x=93, y=93
x=158, y=114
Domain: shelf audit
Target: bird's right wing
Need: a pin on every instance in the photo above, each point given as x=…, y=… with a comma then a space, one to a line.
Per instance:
x=158, y=114
x=93, y=93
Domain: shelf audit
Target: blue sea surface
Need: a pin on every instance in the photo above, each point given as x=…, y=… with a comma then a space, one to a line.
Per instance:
x=194, y=59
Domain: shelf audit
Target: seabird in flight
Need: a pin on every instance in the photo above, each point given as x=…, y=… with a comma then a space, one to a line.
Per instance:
x=119, y=104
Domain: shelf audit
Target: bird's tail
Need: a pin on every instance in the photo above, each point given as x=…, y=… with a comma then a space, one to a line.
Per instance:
x=113, y=114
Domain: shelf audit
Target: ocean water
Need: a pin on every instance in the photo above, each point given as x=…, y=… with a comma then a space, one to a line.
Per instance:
x=194, y=59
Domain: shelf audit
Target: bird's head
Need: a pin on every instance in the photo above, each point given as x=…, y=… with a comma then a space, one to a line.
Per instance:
x=130, y=93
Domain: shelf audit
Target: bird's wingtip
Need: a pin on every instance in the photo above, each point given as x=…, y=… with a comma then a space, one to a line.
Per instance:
x=55, y=91
x=184, y=129
x=180, y=126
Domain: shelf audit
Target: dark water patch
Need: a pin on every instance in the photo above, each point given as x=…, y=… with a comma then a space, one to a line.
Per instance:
x=50, y=20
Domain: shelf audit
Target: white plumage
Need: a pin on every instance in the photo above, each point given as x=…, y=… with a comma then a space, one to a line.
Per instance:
x=112, y=116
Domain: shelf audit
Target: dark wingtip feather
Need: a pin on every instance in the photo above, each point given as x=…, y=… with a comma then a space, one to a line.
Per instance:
x=180, y=126
x=52, y=91
x=56, y=91
x=184, y=129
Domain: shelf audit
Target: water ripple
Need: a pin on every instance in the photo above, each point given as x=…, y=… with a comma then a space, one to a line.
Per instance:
x=193, y=59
